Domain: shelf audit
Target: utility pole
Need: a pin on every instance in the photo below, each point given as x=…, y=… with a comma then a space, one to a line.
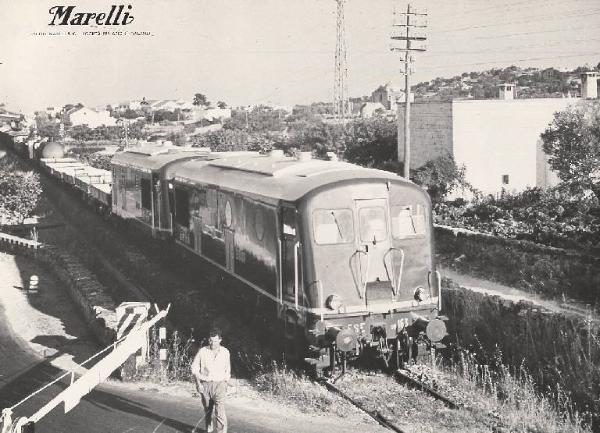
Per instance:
x=408, y=24
x=126, y=134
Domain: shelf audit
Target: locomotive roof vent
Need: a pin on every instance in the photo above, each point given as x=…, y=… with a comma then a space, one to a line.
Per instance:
x=304, y=156
x=276, y=153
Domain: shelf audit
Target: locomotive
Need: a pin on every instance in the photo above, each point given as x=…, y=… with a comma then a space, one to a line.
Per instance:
x=341, y=255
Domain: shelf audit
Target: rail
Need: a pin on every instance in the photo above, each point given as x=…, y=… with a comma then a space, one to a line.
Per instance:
x=376, y=415
x=404, y=376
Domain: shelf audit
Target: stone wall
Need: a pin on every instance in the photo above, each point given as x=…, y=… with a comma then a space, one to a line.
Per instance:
x=91, y=297
x=523, y=264
x=430, y=131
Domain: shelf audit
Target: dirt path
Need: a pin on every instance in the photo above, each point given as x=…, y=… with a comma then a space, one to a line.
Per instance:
x=514, y=294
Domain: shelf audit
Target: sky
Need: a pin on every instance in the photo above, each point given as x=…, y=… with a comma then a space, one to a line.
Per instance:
x=278, y=52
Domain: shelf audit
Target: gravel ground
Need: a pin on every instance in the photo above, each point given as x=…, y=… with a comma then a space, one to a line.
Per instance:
x=411, y=410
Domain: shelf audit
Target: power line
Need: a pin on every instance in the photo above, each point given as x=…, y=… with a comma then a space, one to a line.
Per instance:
x=512, y=60
x=544, y=18
x=527, y=4
x=535, y=33
x=517, y=47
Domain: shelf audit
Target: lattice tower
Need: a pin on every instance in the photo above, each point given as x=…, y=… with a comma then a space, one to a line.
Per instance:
x=340, y=86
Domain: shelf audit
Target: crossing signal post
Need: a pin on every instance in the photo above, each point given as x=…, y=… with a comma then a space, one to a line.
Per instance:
x=405, y=32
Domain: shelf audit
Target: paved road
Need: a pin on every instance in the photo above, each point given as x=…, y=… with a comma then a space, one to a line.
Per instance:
x=42, y=336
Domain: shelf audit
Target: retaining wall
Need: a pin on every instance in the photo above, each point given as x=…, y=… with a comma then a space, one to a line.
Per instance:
x=90, y=296
x=519, y=263
x=560, y=351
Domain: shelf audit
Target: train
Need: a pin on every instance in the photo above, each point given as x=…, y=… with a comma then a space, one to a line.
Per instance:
x=340, y=255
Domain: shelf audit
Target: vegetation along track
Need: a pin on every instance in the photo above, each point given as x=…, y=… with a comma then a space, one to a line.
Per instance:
x=412, y=379
x=143, y=267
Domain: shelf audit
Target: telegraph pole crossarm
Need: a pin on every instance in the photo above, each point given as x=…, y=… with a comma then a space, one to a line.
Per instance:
x=406, y=36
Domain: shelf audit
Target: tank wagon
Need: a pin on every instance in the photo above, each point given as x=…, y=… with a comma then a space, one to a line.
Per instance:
x=342, y=254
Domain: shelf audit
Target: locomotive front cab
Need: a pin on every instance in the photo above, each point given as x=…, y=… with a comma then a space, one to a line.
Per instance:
x=372, y=277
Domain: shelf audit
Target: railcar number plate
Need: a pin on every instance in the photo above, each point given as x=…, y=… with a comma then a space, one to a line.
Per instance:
x=360, y=329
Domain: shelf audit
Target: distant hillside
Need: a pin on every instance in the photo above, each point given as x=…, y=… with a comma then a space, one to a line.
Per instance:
x=530, y=82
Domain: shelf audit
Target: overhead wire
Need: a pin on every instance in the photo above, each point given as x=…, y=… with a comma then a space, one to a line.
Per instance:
x=542, y=19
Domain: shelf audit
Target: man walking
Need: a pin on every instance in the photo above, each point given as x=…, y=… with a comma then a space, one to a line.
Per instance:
x=212, y=369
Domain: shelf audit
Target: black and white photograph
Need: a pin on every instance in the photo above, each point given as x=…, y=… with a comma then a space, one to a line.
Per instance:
x=304, y=216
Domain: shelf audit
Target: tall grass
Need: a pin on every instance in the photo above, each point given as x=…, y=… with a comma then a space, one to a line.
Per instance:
x=177, y=366
x=518, y=400
x=554, y=356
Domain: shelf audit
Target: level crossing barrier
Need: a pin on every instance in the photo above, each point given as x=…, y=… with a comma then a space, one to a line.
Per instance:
x=118, y=353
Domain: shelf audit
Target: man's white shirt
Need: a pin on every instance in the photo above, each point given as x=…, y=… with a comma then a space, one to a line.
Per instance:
x=212, y=365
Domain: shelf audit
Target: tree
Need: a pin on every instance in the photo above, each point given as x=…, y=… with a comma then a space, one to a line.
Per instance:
x=200, y=99
x=49, y=129
x=439, y=177
x=372, y=142
x=19, y=195
x=131, y=114
x=572, y=142
x=222, y=105
x=260, y=119
x=81, y=132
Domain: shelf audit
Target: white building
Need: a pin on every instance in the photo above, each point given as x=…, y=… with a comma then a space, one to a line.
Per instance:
x=498, y=141
x=90, y=117
x=210, y=114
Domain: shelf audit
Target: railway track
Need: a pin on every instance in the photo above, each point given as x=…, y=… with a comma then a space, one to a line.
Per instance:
x=375, y=414
x=401, y=376
x=405, y=376
x=103, y=259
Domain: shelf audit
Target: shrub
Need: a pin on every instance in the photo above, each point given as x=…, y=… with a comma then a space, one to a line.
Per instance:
x=552, y=217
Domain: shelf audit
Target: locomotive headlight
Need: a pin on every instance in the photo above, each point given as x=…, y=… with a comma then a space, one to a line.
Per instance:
x=419, y=294
x=334, y=302
x=436, y=330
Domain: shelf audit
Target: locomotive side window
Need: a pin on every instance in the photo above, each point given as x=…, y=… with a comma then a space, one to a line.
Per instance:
x=259, y=224
x=373, y=224
x=211, y=204
x=228, y=214
x=182, y=207
x=333, y=226
x=408, y=221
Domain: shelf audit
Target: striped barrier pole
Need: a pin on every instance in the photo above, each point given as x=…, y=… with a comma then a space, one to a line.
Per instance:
x=33, y=284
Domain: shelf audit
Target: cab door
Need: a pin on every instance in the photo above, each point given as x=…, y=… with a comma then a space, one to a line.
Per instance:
x=371, y=261
x=290, y=256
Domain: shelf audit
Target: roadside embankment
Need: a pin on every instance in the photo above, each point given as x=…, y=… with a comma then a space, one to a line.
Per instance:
x=92, y=298
x=551, y=271
x=560, y=351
